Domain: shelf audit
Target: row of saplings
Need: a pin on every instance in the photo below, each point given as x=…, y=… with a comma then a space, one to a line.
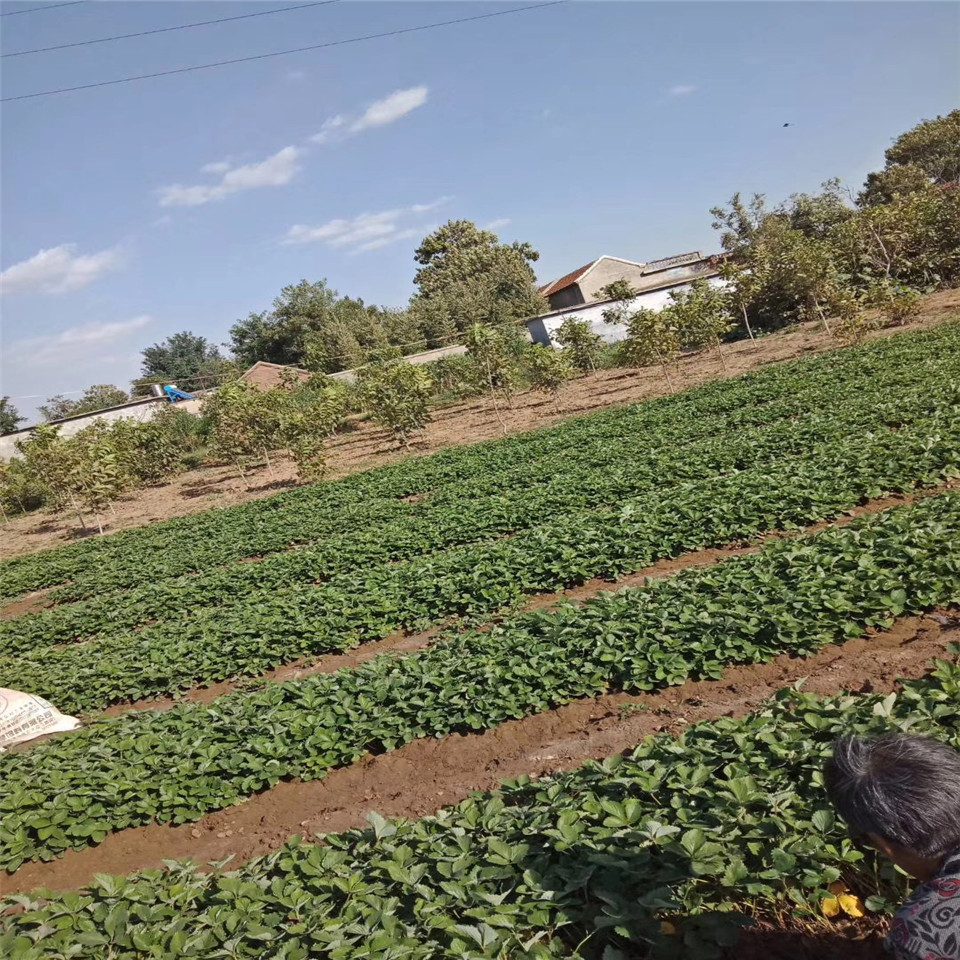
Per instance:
x=86, y=473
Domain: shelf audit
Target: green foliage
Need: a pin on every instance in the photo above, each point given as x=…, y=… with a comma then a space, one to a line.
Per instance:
x=899, y=304
x=653, y=337
x=312, y=326
x=398, y=395
x=579, y=341
x=10, y=418
x=548, y=370
x=612, y=442
x=94, y=398
x=185, y=359
x=618, y=290
x=691, y=831
x=701, y=313
x=466, y=276
x=781, y=452
x=174, y=766
x=927, y=153
x=814, y=256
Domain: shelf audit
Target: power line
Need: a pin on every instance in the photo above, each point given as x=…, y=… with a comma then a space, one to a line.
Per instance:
x=182, y=26
x=45, y=6
x=283, y=53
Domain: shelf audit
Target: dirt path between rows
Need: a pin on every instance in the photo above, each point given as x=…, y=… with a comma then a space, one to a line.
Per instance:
x=404, y=643
x=419, y=778
x=368, y=446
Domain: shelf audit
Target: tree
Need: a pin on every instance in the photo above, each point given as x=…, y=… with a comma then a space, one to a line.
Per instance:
x=619, y=290
x=97, y=397
x=244, y=423
x=928, y=153
x=397, y=394
x=577, y=338
x=548, y=370
x=741, y=290
x=9, y=417
x=185, y=359
x=467, y=276
x=312, y=326
x=489, y=349
x=702, y=315
x=652, y=337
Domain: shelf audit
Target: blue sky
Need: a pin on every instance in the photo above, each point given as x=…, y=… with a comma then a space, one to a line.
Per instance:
x=185, y=202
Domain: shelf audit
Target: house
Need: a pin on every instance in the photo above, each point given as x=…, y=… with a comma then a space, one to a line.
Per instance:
x=269, y=376
x=584, y=285
x=576, y=292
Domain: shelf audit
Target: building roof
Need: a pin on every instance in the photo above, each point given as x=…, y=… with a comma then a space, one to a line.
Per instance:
x=267, y=376
x=556, y=285
x=571, y=278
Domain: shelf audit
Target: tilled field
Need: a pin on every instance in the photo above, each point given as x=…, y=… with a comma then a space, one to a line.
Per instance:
x=663, y=575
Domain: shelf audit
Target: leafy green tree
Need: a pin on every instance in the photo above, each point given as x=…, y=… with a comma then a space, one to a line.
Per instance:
x=97, y=397
x=185, y=359
x=310, y=325
x=489, y=348
x=653, y=337
x=397, y=395
x=741, y=290
x=581, y=344
x=243, y=423
x=702, y=315
x=468, y=276
x=548, y=370
x=928, y=153
x=9, y=417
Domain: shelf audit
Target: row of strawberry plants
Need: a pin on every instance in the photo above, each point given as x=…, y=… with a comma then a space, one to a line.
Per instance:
x=174, y=766
x=450, y=525
x=473, y=582
x=659, y=854
x=303, y=515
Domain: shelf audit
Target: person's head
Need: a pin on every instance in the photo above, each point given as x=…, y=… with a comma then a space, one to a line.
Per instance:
x=901, y=794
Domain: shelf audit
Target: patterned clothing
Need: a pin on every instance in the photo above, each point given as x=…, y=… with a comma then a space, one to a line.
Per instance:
x=927, y=926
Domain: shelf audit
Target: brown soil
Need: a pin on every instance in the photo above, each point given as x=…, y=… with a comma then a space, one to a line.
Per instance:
x=420, y=777
x=402, y=643
x=789, y=938
x=368, y=446
x=28, y=603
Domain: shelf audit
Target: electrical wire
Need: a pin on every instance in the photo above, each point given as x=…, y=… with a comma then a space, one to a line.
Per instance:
x=182, y=26
x=283, y=53
x=44, y=6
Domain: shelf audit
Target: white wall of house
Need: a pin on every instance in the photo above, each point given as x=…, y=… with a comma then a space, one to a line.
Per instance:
x=543, y=328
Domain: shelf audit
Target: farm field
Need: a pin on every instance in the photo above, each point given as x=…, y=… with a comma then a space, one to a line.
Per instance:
x=802, y=510
x=465, y=422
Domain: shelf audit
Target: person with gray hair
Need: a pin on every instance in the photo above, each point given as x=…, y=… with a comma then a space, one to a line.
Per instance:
x=901, y=794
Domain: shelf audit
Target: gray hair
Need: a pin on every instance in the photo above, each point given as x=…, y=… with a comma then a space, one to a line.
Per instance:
x=902, y=787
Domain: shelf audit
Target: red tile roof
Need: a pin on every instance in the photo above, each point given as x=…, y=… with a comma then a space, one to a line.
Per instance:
x=269, y=376
x=565, y=281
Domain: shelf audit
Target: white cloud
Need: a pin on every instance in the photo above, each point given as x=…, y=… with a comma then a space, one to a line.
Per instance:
x=388, y=110
x=368, y=231
x=275, y=171
x=75, y=345
x=296, y=75
x=58, y=270
x=391, y=108
x=682, y=89
x=329, y=129
x=495, y=224
x=221, y=166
